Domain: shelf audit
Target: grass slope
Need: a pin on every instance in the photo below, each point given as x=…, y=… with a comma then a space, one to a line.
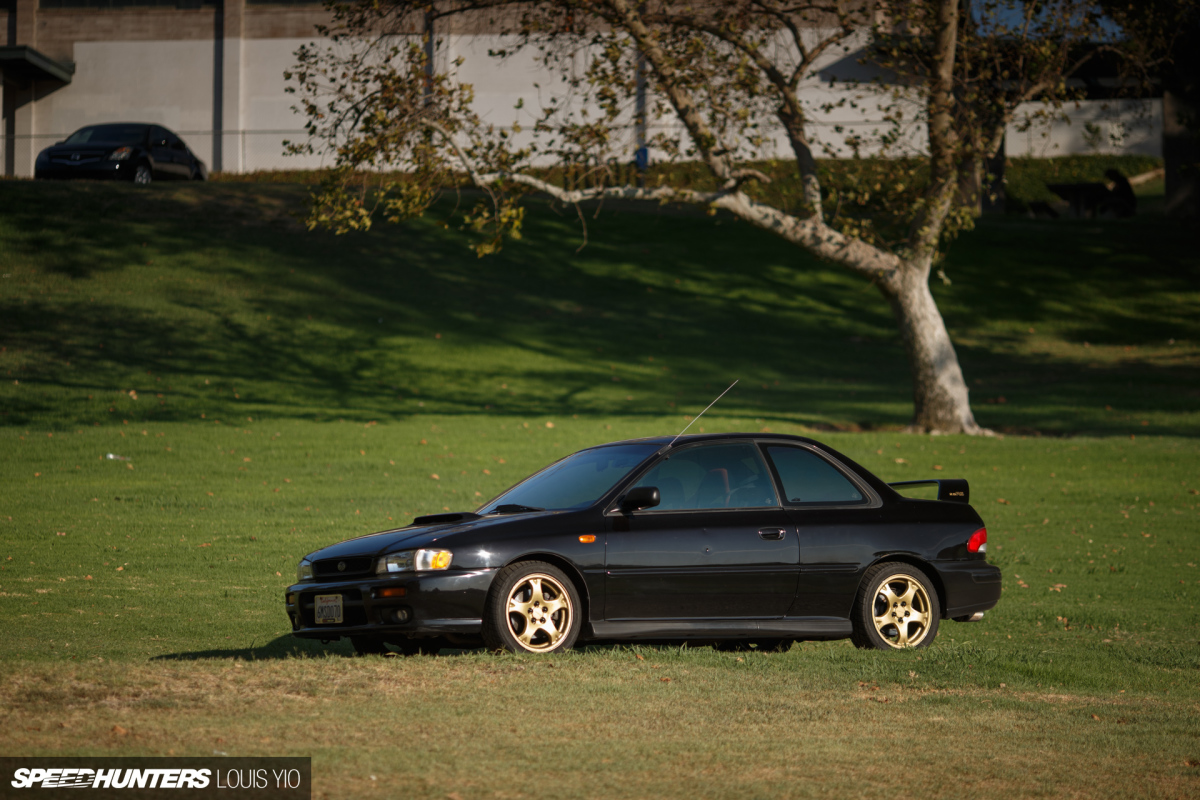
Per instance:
x=142, y=597
x=210, y=300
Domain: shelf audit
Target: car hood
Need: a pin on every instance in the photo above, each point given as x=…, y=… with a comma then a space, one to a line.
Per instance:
x=86, y=147
x=413, y=536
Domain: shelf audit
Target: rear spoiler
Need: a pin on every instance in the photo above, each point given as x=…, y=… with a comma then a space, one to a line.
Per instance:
x=954, y=490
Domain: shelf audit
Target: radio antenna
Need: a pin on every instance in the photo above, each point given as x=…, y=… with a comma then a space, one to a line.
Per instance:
x=701, y=414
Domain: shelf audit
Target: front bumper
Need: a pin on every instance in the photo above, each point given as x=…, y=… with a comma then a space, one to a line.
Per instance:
x=437, y=604
x=97, y=170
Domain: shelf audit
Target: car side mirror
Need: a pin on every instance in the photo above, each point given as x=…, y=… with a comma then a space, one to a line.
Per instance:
x=639, y=498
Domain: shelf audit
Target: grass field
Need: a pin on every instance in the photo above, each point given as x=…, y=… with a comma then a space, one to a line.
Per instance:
x=214, y=298
x=274, y=391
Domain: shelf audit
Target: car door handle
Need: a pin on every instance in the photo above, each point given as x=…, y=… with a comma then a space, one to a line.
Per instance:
x=771, y=534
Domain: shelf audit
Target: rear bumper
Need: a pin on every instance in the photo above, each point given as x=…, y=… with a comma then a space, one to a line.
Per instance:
x=970, y=586
x=100, y=170
x=437, y=604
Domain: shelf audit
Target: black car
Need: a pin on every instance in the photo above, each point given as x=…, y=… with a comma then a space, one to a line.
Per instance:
x=130, y=151
x=735, y=540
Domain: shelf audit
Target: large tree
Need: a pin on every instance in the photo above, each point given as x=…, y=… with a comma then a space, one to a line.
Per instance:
x=723, y=79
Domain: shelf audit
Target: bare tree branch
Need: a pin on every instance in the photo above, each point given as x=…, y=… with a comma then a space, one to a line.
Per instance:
x=859, y=257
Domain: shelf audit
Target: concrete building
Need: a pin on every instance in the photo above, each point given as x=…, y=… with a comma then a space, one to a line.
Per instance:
x=212, y=70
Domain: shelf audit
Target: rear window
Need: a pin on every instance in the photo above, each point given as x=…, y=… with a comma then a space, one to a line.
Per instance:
x=108, y=134
x=809, y=479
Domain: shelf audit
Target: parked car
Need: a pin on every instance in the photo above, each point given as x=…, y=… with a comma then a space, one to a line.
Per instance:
x=131, y=151
x=735, y=540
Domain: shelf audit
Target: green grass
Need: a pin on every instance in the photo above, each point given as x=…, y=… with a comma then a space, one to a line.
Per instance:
x=211, y=300
x=144, y=596
x=134, y=617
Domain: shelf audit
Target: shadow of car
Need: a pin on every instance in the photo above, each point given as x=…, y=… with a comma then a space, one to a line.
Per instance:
x=133, y=151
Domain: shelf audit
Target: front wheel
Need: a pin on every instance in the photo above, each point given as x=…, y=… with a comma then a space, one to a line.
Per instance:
x=532, y=607
x=141, y=175
x=897, y=607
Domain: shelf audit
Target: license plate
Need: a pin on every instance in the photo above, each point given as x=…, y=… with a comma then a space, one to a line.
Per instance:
x=327, y=609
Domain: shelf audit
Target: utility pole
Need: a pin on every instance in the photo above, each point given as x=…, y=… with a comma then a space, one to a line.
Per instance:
x=429, y=55
x=641, y=156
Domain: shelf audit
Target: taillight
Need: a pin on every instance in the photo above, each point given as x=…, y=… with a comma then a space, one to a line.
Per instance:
x=978, y=541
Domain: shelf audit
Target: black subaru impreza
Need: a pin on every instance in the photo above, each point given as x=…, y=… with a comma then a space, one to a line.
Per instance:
x=735, y=540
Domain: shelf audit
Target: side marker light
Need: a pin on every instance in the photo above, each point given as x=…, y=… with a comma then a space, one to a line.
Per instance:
x=587, y=538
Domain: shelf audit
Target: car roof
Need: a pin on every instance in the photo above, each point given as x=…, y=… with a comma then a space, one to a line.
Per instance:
x=692, y=438
x=119, y=122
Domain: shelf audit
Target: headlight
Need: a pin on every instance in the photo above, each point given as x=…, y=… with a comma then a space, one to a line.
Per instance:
x=418, y=560
x=120, y=154
x=304, y=571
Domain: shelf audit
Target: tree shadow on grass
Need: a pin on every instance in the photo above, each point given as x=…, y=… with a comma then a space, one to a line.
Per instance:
x=229, y=314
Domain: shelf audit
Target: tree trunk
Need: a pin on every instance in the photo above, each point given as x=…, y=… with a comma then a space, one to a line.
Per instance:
x=940, y=403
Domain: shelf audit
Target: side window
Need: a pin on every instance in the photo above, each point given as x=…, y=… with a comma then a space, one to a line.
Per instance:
x=712, y=476
x=158, y=136
x=808, y=478
x=175, y=142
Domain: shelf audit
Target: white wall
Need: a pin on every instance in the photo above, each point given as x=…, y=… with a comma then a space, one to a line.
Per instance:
x=267, y=118
x=1119, y=126
x=172, y=83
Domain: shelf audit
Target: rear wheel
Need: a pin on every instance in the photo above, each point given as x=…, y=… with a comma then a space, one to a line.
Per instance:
x=532, y=607
x=897, y=607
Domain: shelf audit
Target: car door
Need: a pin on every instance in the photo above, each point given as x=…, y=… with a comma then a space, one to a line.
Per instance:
x=161, y=155
x=718, y=545
x=181, y=158
x=838, y=527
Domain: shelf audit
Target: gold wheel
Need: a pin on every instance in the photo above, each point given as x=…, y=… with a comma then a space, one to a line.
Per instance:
x=540, y=612
x=901, y=612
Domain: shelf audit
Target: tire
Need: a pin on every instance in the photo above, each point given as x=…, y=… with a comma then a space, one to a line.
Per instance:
x=368, y=646
x=375, y=646
x=532, y=607
x=419, y=647
x=142, y=175
x=897, y=607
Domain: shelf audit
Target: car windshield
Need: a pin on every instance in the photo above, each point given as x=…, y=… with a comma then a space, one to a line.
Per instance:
x=577, y=481
x=109, y=134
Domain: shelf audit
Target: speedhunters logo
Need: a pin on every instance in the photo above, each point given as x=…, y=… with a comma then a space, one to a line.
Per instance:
x=76, y=778
x=277, y=778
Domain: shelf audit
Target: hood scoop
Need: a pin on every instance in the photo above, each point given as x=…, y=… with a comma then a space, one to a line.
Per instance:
x=445, y=519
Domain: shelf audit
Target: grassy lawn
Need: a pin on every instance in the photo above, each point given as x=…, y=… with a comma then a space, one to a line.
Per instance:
x=274, y=391
x=214, y=298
